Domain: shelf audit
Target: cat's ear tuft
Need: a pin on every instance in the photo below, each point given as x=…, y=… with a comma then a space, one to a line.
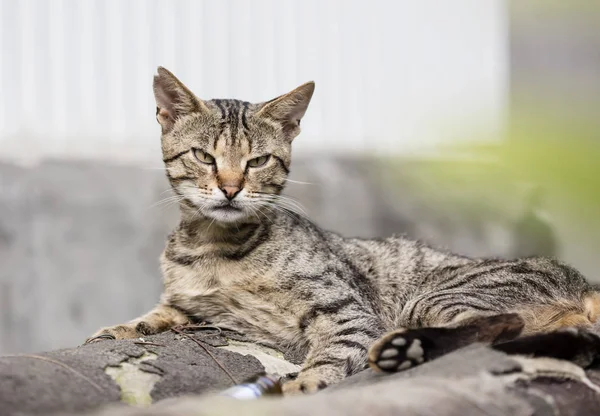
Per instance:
x=173, y=99
x=288, y=109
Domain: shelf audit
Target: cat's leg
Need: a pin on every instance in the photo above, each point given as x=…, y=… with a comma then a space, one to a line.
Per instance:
x=445, y=320
x=405, y=348
x=159, y=319
x=338, y=347
x=578, y=345
x=556, y=330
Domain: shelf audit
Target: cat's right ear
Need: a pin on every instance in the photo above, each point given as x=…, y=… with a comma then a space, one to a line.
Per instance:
x=288, y=109
x=173, y=99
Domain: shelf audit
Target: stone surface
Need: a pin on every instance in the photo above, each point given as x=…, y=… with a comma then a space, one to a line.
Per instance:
x=185, y=379
x=89, y=375
x=273, y=361
x=473, y=381
x=135, y=383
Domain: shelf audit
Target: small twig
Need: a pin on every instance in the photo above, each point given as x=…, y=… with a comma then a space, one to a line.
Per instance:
x=180, y=332
x=148, y=343
x=200, y=327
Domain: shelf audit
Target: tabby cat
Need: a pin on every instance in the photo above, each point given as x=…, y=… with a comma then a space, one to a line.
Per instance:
x=241, y=258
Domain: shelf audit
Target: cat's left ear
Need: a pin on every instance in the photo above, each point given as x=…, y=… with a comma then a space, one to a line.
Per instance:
x=288, y=109
x=173, y=99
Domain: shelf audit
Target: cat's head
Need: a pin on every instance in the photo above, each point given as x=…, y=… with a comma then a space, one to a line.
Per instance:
x=226, y=158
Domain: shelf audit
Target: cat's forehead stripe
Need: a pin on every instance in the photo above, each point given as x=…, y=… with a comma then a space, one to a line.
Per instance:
x=245, y=105
x=225, y=143
x=221, y=107
x=234, y=114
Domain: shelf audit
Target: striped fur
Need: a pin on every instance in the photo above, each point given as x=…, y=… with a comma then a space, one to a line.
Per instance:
x=253, y=264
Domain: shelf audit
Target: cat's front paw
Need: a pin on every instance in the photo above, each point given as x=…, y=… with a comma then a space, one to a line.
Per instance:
x=125, y=331
x=304, y=384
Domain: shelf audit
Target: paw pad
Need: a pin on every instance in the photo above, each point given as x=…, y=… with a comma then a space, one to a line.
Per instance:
x=397, y=352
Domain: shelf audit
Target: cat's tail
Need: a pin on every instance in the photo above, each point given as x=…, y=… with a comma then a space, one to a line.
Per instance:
x=592, y=304
x=583, y=313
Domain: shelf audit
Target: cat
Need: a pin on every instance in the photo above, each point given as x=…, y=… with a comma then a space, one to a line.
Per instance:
x=242, y=258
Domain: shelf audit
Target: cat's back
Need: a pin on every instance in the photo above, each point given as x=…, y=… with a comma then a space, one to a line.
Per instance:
x=398, y=258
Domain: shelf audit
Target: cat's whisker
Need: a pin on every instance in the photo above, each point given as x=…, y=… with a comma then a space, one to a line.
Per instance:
x=286, y=211
x=288, y=199
x=299, y=214
x=266, y=216
x=290, y=203
x=196, y=212
x=292, y=209
x=281, y=210
x=211, y=223
x=298, y=207
x=285, y=197
x=300, y=182
x=295, y=210
x=166, y=201
x=253, y=211
x=200, y=208
x=171, y=197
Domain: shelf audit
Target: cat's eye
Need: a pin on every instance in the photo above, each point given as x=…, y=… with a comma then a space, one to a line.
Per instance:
x=204, y=157
x=258, y=161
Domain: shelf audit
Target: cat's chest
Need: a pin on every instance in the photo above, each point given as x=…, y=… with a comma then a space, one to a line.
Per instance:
x=239, y=297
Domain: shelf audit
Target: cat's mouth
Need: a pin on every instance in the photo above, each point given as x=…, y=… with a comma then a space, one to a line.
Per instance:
x=227, y=212
x=226, y=208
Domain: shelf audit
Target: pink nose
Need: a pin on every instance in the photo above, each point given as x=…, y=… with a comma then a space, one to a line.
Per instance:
x=230, y=191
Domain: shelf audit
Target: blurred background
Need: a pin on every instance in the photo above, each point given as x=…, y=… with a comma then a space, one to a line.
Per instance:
x=472, y=124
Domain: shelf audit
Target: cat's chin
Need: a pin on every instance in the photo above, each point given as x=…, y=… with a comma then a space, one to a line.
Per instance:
x=227, y=214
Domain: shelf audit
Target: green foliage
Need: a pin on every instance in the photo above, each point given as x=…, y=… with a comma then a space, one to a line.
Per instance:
x=563, y=156
x=560, y=154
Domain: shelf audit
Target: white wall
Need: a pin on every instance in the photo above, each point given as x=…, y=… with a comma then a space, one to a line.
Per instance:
x=75, y=75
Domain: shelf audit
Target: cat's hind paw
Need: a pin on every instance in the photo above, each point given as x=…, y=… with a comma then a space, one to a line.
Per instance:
x=405, y=348
x=398, y=351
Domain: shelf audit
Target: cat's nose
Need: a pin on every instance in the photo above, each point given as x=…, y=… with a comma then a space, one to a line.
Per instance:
x=230, y=191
